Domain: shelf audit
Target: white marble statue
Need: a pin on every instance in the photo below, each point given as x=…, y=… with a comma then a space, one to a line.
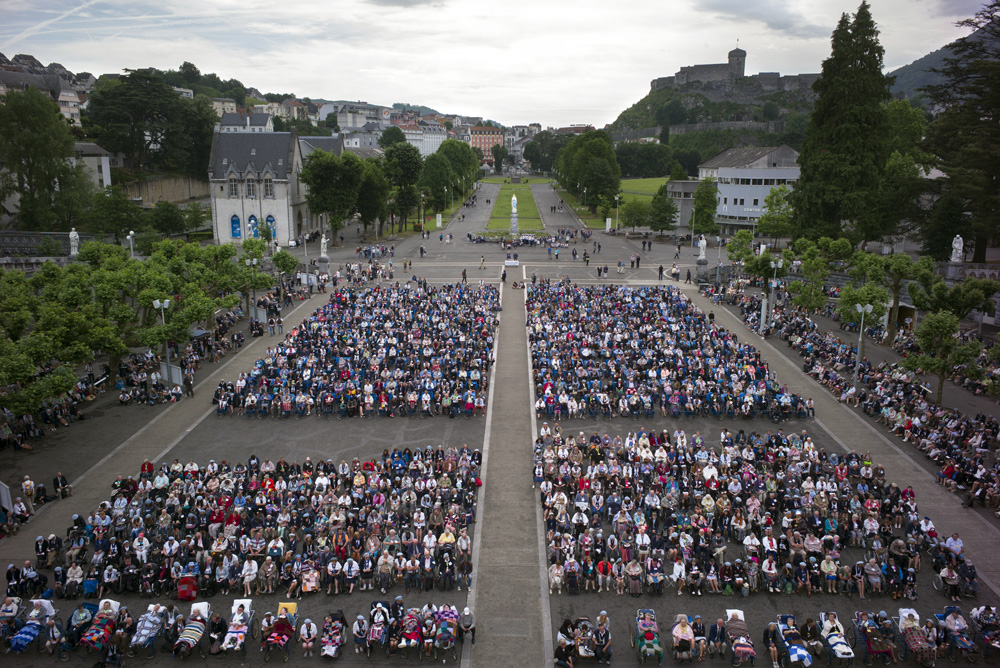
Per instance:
x=957, y=244
x=513, y=205
x=702, y=245
x=74, y=242
x=322, y=245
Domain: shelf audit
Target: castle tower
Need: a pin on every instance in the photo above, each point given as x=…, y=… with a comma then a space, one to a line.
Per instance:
x=737, y=63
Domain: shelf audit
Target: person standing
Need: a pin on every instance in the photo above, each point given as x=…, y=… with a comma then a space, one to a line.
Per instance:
x=660, y=277
x=465, y=276
x=482, y=262
x=28, y=494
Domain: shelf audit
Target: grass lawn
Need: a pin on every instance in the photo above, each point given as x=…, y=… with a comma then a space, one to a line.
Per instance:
x=642, y=186
x=527, y=210
x=591, y=220
x=523, y=224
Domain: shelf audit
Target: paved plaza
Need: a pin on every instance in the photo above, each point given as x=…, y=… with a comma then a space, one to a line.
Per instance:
x=516, y=617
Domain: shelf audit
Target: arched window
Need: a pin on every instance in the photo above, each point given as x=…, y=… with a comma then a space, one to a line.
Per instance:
x=252, y=230
x=237, y=229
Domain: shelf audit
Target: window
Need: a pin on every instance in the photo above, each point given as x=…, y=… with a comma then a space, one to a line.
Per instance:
x=725, y=200
x=234, y=188
x=755, y=202
x=269, y=188
x=251, y=189
x=756, y=182
x=741, y=201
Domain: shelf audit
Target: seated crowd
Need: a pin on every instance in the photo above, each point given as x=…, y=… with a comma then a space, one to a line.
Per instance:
x=263, y=527
x=618, y=350
x=387, y=351
x=751, y=512
x=959, y=443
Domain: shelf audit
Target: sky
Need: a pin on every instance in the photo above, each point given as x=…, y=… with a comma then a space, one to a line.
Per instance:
x=515, y=62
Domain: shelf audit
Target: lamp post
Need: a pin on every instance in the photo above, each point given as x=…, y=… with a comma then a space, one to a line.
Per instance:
x=131, y=248
x=867, y=308
x=585, y=197
x=446, y=192
x=252, y=266
x=423, y=221
x=718, y=266
x=763, y=304
x=616, y=212
x=163, y=305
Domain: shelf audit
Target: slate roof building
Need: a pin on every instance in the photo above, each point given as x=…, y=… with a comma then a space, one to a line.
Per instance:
x=745, y=176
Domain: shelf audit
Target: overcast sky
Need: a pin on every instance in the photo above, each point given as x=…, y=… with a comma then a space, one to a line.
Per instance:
x=517, y=61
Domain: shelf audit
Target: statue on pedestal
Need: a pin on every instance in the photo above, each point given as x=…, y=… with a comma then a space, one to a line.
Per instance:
x=322, y=245
x=74, y=242
x=702, y=244
x=513, y=205
x=957, y=246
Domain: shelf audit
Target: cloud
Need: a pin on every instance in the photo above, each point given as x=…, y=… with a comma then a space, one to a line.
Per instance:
x=404, y=3
x=42, y=25
x=958, y=9
x=778, y=15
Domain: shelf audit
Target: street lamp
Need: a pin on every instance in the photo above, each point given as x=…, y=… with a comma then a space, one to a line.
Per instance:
x=867, y=308
x=163, y=306
x=585, y=197
x=423, y=220
x=252, y=266
x=616, y=212
x=131, y=248
x=763, y=304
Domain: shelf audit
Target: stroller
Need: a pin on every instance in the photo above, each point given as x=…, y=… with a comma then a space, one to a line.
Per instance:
x=790, y=643
x=102, y=626
x=585, y=647
x=738, y=637
x=835, y=642
x=147, y=631
x=241, y=624
x=280, y=637
x=190, y=638
x=645, y=636
x=38, y=614
x=914, y=639
x=410, y=634
x=333, y=635
x=378, y=626
x=446, y=631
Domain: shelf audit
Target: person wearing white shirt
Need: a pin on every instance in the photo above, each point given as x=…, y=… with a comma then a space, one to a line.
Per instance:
x=678, y=575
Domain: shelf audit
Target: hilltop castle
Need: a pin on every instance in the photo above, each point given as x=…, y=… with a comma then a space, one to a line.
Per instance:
x=732, y=72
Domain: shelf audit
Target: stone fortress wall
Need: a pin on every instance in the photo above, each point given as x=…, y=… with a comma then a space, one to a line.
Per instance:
x=723, y=78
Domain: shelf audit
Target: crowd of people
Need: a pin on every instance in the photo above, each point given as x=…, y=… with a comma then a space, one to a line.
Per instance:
x=392, y=351
x=620, y=350
x=402, y=521
x=735, y=514
x=960, y=444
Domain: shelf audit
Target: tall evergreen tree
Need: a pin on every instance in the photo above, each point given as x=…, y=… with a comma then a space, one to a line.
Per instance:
x=846, y=145
x=966, y=134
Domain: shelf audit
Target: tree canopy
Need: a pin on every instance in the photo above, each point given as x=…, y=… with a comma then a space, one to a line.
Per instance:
x=589, y=161
x=333, y=182
x=846, y=145
x=705, y=205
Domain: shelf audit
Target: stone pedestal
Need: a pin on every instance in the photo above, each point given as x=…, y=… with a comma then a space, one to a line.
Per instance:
x=702, y=270
x=322, y=265
x=513, y=225
x=953, y=273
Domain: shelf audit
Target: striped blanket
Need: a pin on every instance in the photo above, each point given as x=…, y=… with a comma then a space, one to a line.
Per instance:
x=25, y=636
x=100, y=631
x=743, y=649
x=191, y=635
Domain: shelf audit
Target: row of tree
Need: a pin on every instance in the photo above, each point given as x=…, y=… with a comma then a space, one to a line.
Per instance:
x=881, y=281
x=61, y=317
x=391, y=186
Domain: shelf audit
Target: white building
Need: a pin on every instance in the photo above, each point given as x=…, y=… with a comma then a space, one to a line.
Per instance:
x=745, y=176
x=434, y=135
x=251, y=183
x=223, y=106
x=97, y=161
x=253, y=122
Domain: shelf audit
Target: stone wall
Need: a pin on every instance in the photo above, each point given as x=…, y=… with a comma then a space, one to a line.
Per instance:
x=683, y=128
x=175, y=189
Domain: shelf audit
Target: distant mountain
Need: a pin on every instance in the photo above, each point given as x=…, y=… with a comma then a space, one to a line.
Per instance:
x=910, y=78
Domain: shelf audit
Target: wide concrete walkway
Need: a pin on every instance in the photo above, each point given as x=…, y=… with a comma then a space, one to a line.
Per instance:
x=508, y=606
